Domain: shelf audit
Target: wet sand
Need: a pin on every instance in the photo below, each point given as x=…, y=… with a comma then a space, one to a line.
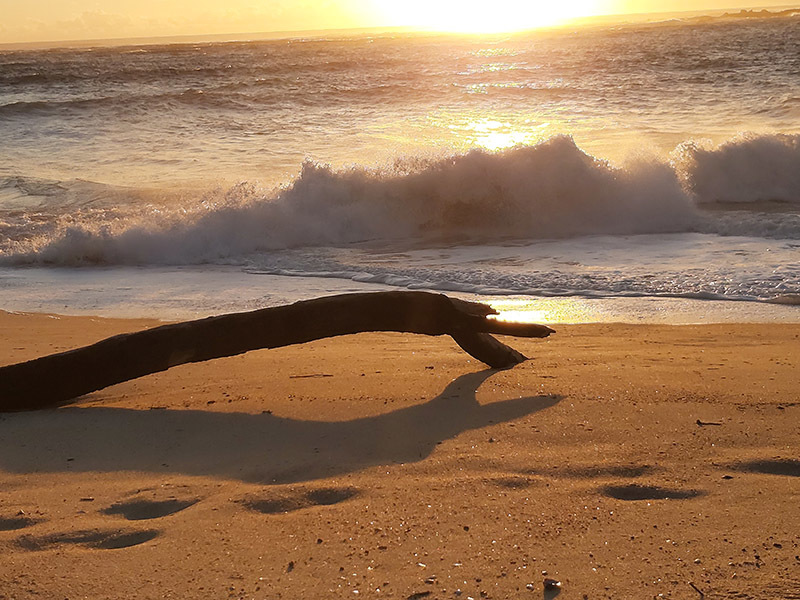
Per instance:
x=624, y=461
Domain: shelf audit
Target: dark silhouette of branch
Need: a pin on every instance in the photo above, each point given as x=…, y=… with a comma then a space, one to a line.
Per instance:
x=52, y=380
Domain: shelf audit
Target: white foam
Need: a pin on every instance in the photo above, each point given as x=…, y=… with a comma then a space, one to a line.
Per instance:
x=550, y=190
x=192, y=292
x=749, y=168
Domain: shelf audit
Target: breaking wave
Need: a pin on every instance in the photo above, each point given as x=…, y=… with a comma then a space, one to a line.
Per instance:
x=550, y=190
x=747, y=169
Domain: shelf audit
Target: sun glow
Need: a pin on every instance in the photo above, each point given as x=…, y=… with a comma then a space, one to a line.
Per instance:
x=481, y=16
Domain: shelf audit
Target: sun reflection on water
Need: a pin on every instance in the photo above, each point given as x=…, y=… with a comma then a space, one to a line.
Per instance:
x=546, y=310
x=493, y=135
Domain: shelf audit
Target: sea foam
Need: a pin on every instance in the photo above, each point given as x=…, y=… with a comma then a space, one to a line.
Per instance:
x=749, y=168
x=549, y=190
x=545, y=191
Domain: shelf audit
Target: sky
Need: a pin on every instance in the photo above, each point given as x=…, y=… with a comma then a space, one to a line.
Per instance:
x=56, y=20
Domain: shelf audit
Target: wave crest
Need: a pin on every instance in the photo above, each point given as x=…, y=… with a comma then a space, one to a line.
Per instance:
x=749, y=168
x=549, y=190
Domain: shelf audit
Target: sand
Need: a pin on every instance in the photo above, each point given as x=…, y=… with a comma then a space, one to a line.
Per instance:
x=624, y=461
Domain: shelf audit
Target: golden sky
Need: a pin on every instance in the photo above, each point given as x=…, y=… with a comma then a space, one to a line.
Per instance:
x=48, y=20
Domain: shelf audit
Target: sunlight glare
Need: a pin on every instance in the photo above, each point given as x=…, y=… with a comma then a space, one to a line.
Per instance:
x=494, y=135
x=546, y=310
x=476, y=16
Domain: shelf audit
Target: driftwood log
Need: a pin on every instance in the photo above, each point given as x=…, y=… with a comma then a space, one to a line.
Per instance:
x=55, y=379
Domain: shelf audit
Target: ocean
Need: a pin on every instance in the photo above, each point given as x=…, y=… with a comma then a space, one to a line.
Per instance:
x=646, y=172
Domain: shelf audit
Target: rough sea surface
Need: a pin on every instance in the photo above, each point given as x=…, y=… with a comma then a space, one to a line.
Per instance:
x=637, y=161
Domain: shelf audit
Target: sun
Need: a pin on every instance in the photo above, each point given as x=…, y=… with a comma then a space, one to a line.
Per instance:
x=483, y=16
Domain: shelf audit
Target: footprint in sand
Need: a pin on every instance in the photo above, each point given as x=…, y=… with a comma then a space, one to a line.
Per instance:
x=299, y=499
x=594, y=471
x=139, y=509
x=788, y=467
x=15, y=523
x=647, y=492
x=104, y=540
x=512, y=483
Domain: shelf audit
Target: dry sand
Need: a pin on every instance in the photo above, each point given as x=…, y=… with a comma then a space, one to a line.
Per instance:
x=624, y=461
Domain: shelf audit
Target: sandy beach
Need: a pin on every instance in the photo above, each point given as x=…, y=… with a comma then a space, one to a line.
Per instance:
x=624, y=461
x=629, y=178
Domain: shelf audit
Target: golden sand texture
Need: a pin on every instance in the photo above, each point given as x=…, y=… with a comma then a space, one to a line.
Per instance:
x=623, y=461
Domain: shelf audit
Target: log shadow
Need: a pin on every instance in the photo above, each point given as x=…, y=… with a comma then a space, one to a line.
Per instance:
x=257, y=448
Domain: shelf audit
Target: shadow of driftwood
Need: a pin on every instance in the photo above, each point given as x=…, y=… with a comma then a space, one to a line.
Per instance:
x=259, y=448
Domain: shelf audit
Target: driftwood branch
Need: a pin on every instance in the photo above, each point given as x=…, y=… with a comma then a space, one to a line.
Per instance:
x=54, y=379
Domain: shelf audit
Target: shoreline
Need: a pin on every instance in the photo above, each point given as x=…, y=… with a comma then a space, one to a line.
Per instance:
x=185, y=293
x=625, y=461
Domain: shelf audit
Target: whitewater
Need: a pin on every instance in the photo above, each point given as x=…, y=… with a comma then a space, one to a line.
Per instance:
x=614, y=173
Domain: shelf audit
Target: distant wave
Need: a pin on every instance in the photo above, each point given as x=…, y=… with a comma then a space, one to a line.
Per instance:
x=550, y=190
x=122, y=102
x=38, y=74
x=246, y=96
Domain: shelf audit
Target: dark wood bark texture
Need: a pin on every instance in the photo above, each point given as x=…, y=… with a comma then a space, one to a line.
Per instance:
x=57, y=378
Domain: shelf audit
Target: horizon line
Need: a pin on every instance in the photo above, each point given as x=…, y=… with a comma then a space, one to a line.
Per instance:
x=288, y=34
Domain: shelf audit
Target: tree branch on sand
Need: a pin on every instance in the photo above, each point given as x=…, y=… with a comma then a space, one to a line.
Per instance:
x=57, y=378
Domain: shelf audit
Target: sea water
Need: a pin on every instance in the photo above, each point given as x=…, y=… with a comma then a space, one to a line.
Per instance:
x=632, y=172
